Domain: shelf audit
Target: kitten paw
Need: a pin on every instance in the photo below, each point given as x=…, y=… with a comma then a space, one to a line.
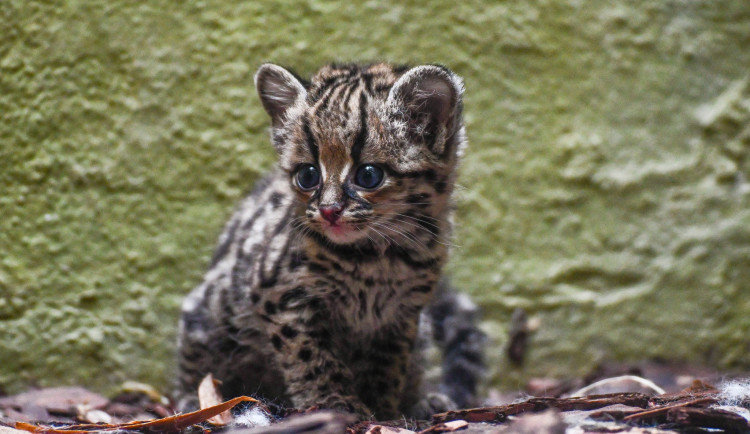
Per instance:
x=431, y=404
x=347, y=405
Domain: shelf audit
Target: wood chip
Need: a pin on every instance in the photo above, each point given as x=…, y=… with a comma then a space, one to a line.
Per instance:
x=659, y=414
x=501, y=413
x=710, y=418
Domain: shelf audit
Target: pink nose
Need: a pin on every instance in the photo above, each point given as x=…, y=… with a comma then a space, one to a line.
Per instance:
x=331, y=212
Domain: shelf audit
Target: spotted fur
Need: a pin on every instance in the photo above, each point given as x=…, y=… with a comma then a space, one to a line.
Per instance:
x=314, y=296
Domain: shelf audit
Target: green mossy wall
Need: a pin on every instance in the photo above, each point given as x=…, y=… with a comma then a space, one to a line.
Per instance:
x=605, y=190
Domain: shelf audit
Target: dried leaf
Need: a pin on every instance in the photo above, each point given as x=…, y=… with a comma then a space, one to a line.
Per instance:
x=621, y=384
x=166, y=425
x=451, y=426
x=209, y=396
x=144, y=389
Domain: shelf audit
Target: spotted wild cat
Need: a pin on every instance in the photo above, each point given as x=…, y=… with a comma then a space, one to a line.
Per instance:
x=330, y=271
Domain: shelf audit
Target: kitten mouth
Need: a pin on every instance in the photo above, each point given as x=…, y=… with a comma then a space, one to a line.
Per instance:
x=340, y=232
x=337, y=228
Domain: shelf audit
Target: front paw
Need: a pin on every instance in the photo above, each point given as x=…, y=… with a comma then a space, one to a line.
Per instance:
x=431, y=404
x=348, y=405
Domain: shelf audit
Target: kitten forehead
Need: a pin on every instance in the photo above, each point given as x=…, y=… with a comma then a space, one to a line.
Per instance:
x=348, y=118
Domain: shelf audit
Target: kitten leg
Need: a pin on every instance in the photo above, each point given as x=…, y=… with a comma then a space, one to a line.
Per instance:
x=313, y=374
x=199, y=344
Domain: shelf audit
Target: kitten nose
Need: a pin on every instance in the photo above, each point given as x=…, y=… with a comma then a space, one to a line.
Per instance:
x=331, y=212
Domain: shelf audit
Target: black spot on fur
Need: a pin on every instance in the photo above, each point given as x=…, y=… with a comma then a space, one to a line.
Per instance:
x=305, y=354
x=276, y=341
x=288, y=331
x=441, y=186
x=381, y=387
x=270, y=308
x=254, y=298
x=421, y=288
x=275, y=199
x=362, y=303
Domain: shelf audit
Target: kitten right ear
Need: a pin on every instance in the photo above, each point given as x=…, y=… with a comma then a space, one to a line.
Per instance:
x=278, y=90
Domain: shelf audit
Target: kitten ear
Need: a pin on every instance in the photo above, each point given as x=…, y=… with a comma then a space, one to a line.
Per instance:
x=278, y=90
x=428, y=99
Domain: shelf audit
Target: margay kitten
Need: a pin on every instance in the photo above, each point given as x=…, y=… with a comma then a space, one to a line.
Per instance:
x=315, y=293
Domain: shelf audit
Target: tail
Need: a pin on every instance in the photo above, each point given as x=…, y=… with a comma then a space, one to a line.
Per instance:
x=454, y=317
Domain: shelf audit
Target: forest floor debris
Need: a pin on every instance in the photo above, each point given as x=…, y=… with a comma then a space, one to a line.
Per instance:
x=636, y=405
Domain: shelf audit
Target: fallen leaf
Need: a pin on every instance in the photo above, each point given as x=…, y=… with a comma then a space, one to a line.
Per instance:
x=144, y=389
x=166, y=425
x=209, y=396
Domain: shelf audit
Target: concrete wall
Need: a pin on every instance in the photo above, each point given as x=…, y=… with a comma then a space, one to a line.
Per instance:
x=605, y=190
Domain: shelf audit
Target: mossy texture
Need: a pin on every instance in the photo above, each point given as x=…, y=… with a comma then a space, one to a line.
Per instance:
x=605, y=190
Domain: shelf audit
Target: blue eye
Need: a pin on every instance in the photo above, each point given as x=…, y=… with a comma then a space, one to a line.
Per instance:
x=368, y=176
x=308, y=177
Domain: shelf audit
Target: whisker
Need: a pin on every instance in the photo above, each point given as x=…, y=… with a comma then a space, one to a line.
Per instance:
x=406, y=235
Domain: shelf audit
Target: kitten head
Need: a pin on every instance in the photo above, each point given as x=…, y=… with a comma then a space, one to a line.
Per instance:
x=370, y=150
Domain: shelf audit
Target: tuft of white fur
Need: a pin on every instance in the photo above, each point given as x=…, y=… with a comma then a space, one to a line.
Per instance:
x=735, y=392
x=251, y=418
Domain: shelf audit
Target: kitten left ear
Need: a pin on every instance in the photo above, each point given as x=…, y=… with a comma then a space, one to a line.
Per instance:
x=428, y=99
x=278, y=90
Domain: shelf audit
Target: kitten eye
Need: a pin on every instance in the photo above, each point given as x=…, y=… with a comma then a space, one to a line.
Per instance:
x=368, y=176
x=308, y=177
